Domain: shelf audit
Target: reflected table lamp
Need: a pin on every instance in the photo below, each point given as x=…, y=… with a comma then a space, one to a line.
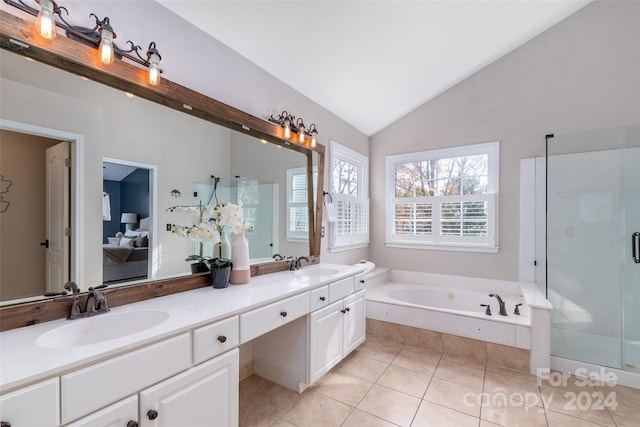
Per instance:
x=129, y=219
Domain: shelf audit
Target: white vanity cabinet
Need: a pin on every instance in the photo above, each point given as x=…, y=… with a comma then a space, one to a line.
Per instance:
x=206, y=395
x=334, y=332
x=36, y=405
x=123, y=413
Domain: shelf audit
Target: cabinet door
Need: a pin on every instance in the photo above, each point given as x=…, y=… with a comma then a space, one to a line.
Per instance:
x=354, y=322
x=116, y=415
x=325, y=340
x=206, y=395
x=36, y=405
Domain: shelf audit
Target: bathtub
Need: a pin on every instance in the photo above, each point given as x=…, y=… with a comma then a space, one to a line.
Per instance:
x=453, y=310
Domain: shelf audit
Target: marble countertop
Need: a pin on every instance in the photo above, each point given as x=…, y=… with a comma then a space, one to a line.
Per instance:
x=23, y=361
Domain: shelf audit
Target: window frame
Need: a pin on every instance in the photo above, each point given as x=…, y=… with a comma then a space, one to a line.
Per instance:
x=436, y=241
x=353, y=240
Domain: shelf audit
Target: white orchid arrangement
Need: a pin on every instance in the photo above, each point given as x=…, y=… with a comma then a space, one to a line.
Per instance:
x=202, y=229
x=231, y=219
x=208, y=222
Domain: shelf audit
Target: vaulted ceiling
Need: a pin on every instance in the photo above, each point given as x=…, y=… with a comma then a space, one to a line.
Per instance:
x=372, y=62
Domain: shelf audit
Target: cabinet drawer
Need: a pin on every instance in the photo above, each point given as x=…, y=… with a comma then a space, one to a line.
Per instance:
x=36, y=405
x=91, y=388
x=265, y=319
x=340, y=289
x=214, y=339
x=318, y=298
x=118, y=414
x=359, y=281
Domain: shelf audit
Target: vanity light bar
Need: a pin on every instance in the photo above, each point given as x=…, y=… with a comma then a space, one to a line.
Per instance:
x=290, y=124
x=101, y=36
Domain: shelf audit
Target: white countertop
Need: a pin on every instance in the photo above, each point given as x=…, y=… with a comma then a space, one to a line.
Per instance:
x=23, y=361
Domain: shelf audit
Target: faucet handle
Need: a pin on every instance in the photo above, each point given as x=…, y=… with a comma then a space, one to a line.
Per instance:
x=488, y=310
x=517, y=309
x=74, y=311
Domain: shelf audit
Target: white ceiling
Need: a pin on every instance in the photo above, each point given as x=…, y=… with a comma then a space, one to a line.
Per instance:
x=372, y=62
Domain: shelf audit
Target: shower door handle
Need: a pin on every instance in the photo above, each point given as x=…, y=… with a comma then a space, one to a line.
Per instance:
x=635, y=247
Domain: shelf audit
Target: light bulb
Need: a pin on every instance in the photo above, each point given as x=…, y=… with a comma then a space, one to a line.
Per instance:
x=45, y=22
x=153, y=57
x=301, y=135
x=287, y=129
x=106, y=47
x=313, y=140
x=154, y=74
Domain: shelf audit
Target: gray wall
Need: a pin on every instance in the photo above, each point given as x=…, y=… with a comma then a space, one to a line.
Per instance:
x=581, y=74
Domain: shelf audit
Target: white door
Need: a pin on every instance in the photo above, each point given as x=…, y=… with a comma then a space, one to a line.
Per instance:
x=325, y=336
x=354, y=322
x=57, y=216
x=206, y=395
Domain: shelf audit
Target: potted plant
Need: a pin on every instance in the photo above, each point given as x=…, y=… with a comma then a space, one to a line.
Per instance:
x=204, y=229
x=220, y=270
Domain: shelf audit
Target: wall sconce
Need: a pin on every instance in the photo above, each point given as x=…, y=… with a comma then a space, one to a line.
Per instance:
x=100, y=36
x=290, y=124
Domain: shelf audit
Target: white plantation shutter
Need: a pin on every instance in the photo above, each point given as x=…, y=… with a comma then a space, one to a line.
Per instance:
x=349, y=184
x=352, y=226
x=297, y=208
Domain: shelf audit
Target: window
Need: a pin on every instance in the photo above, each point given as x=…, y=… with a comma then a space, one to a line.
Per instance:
x=349, y=193
x=444, y=199
x=297, y=206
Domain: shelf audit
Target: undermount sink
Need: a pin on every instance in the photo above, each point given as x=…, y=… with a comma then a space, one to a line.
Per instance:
x=317, y=271
x=100, y=328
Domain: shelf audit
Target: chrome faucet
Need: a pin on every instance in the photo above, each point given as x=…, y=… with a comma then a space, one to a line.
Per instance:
x=96, y=303
x=503, y=310
x=295, y=262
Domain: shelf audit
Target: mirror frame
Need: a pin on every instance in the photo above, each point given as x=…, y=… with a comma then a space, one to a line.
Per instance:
x=19, y=36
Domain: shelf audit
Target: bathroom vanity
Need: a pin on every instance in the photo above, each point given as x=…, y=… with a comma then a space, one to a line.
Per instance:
x=175, y=360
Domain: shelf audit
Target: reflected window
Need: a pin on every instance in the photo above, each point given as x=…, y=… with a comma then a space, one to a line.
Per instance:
x=297, y=204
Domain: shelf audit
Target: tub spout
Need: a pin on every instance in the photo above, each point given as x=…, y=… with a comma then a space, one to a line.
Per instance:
x=503, y=310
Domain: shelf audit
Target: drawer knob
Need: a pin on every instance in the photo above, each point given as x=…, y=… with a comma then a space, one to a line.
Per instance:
x=343, y=311
x=347, y=309
x=152, y=414
x=283, y=313
x=322, y=298
x=132, y=423
x=222, y=338
x=361, y=281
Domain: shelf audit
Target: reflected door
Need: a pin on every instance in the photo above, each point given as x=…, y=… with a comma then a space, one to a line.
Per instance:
x=57, y=216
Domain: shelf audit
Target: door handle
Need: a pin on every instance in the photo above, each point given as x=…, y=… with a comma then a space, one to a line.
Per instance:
x=635, y=247
x=45, y=244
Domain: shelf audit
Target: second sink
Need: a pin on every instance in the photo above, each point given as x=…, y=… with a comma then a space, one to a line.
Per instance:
x=317, y=271
x=100, y=328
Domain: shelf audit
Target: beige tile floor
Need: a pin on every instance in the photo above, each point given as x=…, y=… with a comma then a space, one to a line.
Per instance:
x=383, y=385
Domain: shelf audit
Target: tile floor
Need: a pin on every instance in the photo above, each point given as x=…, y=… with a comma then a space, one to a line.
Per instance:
x=383, y=384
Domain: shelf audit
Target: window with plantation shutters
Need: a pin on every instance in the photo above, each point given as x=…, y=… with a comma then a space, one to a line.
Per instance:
x=297, y=206
x=349, y=194
x=444, y=199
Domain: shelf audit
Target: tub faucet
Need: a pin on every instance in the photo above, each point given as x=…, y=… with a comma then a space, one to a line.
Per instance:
x=503, y=310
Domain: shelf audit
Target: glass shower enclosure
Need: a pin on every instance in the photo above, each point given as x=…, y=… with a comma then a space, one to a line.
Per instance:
x=592, y=275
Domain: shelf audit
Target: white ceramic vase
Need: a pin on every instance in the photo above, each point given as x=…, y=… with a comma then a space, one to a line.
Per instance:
x=240, y=271
x=223, y=249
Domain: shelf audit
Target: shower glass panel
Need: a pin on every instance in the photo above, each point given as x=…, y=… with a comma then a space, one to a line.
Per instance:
x=631, y=267
x=592, y=282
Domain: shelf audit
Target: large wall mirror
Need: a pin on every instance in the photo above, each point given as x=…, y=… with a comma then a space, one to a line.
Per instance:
x=175, y=155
